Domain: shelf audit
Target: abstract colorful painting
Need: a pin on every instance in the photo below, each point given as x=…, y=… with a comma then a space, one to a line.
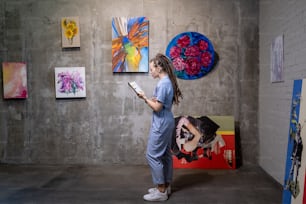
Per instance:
x=70, y=82
x=14, y=80
x=130, y=40
x=277, y=59
x=192, y=55
x=70, y=32
x=206, y=142
x=294, y=182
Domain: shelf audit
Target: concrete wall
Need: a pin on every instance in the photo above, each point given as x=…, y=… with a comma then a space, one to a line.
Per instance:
x=111, y=125
x=287, y=18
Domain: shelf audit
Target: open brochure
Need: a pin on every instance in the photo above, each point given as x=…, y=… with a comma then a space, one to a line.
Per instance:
x=135, y=87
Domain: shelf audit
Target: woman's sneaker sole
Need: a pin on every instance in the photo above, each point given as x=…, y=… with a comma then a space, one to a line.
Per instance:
x=151, y=190
x=156, y=196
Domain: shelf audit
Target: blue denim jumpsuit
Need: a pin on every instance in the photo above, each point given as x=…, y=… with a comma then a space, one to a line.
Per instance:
x=159, y=144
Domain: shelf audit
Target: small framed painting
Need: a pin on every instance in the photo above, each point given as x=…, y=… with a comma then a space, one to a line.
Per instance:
x=70, y=32
x=70, y=82
x=277, y=60
x=14, y=80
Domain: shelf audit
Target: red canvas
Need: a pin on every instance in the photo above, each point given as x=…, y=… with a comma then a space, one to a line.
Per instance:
x=213, y=148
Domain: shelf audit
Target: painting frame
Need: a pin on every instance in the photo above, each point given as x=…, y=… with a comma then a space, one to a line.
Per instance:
x=192, y=54
x=205, y=142
x=70, y=82
x=14, y=76
x=277, y=59
x=294, y=191
x=130, y=44
x=70, y=27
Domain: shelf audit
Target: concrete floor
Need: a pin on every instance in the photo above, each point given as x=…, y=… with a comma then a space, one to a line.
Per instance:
x=128, y=184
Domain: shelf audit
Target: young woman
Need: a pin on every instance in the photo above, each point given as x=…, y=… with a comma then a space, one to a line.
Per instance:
x=158, y=153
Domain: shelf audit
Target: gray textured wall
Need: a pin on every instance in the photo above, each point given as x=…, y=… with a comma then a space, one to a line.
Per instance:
x=285, y=18
x=111, y=124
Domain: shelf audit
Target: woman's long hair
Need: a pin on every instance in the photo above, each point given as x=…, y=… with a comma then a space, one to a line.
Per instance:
x=167, y=66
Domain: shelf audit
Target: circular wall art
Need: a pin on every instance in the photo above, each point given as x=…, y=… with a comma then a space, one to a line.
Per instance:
x=192, y=55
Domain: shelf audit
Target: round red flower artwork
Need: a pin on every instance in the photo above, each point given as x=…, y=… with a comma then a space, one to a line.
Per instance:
x=192, y=55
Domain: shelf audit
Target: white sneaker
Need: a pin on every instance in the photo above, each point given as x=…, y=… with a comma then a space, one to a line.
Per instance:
x=156, y=195
x=151, y=190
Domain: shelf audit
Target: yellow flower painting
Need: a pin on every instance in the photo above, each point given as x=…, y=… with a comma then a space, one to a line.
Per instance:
x=70, y=32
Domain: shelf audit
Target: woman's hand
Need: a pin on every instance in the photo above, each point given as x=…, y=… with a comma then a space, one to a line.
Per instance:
x=152, y=103
x=142, y=96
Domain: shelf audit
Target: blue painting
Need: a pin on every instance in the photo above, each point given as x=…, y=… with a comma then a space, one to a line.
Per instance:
x=192, y=54
x=294, y=190
x=130, y=41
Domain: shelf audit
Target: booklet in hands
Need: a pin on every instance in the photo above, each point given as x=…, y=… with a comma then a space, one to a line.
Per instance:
x=135, y=87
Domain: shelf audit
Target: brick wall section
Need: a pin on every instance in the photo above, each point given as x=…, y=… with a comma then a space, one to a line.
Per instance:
x=285, y=18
